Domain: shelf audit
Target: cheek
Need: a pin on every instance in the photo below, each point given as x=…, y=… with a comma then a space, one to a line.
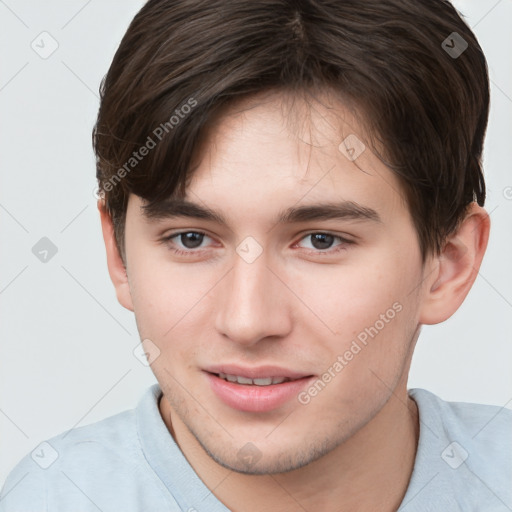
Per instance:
x=168, y=298
x=370, y=312
x=348, y=298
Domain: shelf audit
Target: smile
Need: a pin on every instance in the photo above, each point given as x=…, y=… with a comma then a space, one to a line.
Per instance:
x=267, y=381
x=263, y=391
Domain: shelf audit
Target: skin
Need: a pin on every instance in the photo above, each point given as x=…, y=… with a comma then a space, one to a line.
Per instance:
x=352, y=447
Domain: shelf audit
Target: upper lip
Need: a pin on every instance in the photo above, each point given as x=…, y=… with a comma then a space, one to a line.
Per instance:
x=259, y=372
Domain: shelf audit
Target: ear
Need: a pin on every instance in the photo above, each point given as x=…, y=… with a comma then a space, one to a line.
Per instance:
x=116, y=267
x=454, y=271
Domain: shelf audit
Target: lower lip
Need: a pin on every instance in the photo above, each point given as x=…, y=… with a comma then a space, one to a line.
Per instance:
x=253, y=398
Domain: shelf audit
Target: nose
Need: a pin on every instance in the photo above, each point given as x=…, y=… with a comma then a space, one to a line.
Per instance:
x=253, y=303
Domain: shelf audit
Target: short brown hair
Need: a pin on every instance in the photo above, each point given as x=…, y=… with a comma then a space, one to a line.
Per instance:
x=182, y=61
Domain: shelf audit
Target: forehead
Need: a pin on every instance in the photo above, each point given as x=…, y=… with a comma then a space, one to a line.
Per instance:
x=272, y=152
x=276, y=147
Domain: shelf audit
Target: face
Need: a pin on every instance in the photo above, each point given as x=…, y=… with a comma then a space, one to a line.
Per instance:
x=279, y=327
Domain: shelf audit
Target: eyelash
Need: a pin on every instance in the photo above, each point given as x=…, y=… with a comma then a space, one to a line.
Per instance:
x=341, y=247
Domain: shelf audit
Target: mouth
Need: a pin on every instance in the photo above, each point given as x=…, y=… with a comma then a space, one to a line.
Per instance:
x=246, y=381
x=256, y=389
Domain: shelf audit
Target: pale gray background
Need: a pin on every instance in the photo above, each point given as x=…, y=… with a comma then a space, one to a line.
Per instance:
x=66, y=344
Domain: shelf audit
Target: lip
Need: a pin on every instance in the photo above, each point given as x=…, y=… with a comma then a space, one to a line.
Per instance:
x=253, y=398
x=260, y=372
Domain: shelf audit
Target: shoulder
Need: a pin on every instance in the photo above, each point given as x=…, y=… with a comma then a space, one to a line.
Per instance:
x=464, y=451
x=479, y=425
x=89, y=447
x=84, y=467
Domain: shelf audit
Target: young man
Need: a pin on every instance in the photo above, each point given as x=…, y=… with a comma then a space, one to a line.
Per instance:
x=290, y=190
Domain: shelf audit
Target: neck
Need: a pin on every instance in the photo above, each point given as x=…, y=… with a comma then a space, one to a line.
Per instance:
x=368, y=472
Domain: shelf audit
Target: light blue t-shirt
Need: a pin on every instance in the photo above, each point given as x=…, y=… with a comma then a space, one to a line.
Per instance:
x=129, y=462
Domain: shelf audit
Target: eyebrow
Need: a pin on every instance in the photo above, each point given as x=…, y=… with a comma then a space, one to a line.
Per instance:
x=177, y=208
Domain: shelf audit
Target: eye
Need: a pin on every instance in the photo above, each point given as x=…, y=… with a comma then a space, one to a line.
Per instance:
x=187, y=243
x=189, y=240
x=321, y=241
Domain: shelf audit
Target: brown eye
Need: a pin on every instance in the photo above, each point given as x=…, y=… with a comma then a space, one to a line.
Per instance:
x=191, y=239
x=322, y=242
x=185, y=242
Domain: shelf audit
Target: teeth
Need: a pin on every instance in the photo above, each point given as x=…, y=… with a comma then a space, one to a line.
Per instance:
x=267, y=381
x=263, y=382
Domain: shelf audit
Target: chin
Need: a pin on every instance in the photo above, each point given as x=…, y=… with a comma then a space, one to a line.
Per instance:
x=269, y=460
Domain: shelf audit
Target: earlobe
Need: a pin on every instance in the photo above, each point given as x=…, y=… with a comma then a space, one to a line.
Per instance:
x=456, y=268
x=116, y=267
